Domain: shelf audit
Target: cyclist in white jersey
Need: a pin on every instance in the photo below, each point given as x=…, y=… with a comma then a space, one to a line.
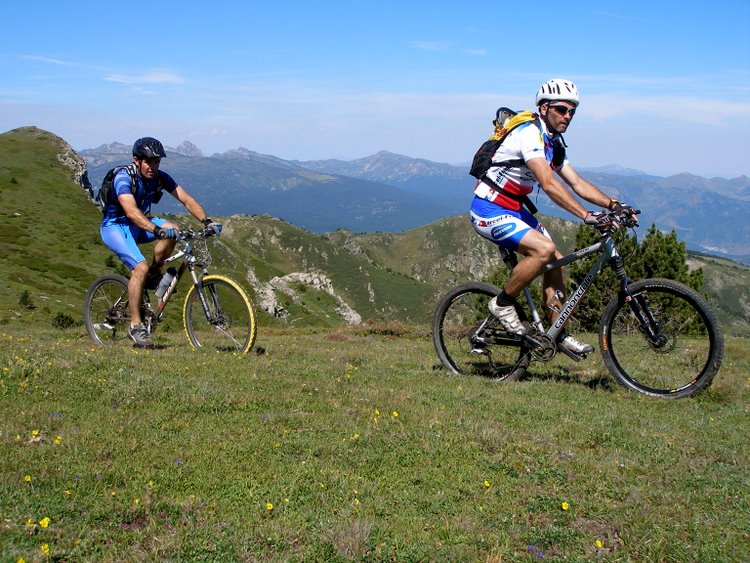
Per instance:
x=530, y=155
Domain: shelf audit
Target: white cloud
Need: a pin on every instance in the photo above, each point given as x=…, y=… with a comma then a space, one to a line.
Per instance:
x=153, y=77
x=699, y=110
x=48, y=60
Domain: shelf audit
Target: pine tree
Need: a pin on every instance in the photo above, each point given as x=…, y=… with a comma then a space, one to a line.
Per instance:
x=658, y=256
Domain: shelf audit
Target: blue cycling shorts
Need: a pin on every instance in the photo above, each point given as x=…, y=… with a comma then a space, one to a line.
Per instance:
x=123, y=238
x=502, y=226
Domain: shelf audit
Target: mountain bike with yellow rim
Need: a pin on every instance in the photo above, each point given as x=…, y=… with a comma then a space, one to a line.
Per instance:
x=217, y=313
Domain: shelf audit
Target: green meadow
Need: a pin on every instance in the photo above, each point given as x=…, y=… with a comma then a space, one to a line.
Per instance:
x=352, y=445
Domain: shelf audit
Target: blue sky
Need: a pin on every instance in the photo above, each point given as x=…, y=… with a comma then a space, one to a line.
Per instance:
x=665, y=86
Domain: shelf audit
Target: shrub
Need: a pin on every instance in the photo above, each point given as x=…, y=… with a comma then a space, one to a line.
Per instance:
x=25, y=300
x=63, y=321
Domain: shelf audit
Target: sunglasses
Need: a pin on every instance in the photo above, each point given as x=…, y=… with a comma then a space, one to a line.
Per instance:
x=562, y=110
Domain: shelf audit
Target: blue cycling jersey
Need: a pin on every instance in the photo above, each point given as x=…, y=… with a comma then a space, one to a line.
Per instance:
x=144, y=194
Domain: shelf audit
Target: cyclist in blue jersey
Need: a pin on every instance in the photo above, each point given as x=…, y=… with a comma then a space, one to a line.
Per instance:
x=530, y=155
x=127, y=223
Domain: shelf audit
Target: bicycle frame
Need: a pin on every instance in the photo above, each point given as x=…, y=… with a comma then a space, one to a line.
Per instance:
x=189, y=262
x=609, y=255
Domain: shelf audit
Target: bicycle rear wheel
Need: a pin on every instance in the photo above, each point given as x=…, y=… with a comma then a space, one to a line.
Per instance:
x=227, y=323
x=105, y=309
x=675, y=353
x=468, y=340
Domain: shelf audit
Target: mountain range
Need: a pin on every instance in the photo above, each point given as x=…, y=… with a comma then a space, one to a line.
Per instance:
x=52, y=251
x=391, y=192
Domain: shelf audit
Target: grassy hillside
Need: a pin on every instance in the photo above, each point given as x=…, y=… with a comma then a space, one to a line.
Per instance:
x=49, y=235
x=52, y=252
x=348, y=445
x=343, y=444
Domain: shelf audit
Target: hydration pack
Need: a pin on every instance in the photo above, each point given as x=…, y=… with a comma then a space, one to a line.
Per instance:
x=103, y=196
x=506, y=120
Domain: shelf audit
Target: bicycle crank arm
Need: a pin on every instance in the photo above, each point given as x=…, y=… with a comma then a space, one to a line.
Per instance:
x=532, y=341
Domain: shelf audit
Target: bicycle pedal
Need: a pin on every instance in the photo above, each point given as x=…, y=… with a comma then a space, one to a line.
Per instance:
x=479, y=351
x=572, y=355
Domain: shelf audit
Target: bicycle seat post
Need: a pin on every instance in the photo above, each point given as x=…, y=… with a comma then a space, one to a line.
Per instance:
x=509, y=257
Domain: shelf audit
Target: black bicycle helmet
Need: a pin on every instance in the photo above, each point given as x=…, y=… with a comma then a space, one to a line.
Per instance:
x=148, y=147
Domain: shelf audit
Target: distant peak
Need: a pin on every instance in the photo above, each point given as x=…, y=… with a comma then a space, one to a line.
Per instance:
x=186, y=148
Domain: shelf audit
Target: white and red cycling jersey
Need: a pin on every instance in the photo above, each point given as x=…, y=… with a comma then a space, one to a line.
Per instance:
x=509, y=170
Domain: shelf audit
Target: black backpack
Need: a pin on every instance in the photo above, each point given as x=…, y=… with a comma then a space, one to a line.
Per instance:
x=103, y=196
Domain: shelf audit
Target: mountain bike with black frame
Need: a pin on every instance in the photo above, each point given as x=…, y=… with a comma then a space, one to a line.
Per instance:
x=657, y=336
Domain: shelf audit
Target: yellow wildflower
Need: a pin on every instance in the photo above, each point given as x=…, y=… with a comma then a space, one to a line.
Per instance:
x=565, y=506
x=269, y=506
x=44, y=522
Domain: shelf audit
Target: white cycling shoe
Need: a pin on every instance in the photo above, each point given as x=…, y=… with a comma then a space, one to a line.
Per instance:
x=575, y=346
x=507, y=316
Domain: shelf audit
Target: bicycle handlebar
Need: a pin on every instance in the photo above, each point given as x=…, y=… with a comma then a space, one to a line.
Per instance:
x=189, y=234
x=627, y=218
x=623, y=218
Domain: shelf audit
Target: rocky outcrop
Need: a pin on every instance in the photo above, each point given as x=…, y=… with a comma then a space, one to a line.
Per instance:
x=186, y=148
x=266, y=298
x=71, y=159
x=318, y=281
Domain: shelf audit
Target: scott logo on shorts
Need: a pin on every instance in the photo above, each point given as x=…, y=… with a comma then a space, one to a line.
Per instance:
x=502, y=231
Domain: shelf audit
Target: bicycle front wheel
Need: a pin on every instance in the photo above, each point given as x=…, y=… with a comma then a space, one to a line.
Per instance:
x=105, y=309
x=469, y=340
x=219, y=315
x=665, y=342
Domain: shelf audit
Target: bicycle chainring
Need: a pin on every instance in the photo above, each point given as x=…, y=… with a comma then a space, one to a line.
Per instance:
x=545, y=350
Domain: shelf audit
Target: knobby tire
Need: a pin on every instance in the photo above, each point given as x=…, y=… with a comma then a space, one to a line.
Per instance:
x=459, y=314
x=105, y=309
x=232, y=326
x=688, y=350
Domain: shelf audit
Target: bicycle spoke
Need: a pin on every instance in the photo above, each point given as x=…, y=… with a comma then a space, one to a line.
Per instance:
x=229, y=322
x=677, y=354
x=468, y=340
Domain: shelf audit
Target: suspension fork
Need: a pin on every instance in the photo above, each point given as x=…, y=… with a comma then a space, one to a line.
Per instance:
x=647, y=323
x=201, y=291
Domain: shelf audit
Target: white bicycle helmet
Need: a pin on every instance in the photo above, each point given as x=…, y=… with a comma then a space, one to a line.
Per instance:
x=558, y=89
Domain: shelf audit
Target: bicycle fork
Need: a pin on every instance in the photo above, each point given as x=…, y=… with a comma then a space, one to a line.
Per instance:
x=647, y=323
